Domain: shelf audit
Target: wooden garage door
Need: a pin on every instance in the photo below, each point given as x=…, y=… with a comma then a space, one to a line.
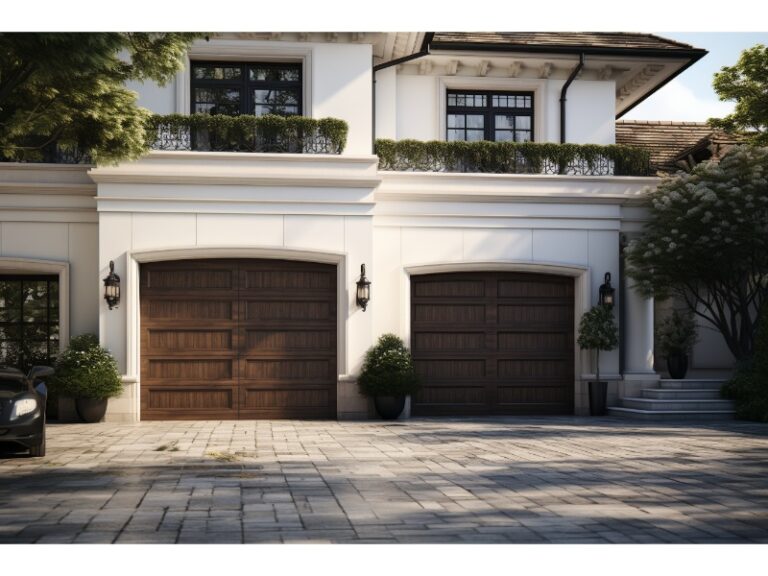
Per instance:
x=228, y=339
x=493, y=343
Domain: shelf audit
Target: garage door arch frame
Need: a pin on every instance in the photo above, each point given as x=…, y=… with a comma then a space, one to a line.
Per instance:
x=131, y=295
x=582, y=300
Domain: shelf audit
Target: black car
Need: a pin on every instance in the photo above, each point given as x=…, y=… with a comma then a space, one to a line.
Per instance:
x=22, y=407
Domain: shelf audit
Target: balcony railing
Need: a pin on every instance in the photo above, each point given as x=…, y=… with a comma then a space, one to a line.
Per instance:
x=512, y=158
x=270, y=133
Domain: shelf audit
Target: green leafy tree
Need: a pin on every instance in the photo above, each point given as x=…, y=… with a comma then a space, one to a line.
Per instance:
x=69, y=89
x=598, y=331
x=706, y=242
x=746, y=83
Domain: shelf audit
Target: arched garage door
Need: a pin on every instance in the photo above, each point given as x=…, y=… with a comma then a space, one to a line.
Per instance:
x=493, y=343
x=228, y=339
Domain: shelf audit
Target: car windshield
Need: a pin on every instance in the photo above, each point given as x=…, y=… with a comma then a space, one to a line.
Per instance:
x=10, y=387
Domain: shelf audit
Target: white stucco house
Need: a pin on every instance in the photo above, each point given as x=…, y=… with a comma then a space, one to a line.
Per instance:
x=238, y=269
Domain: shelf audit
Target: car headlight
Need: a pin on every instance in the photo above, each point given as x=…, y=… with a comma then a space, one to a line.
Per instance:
x=22, y=407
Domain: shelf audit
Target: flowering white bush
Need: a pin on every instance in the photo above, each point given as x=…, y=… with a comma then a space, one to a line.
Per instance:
x=707, y=243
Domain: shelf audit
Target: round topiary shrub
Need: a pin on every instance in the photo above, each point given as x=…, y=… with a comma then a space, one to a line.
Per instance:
x=388, y=369
x=86, y=370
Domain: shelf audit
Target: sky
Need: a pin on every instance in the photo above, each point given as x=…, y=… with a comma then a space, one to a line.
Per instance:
x=690, y=96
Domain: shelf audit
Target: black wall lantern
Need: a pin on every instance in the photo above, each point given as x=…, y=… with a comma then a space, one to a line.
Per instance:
x=605, y=296
x=112, y=287
x=363, y=289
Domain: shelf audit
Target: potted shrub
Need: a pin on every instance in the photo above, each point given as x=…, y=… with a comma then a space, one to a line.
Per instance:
x=598, y=331
x=88, y=373
x=388, y=376
x=675, y=337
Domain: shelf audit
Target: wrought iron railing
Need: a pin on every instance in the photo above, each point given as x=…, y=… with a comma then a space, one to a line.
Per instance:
x=292, y=134
x=512, y=158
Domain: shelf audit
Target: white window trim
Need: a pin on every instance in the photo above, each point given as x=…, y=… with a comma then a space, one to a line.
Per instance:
x=52, y=267
x=240, y=51
x=538, y=87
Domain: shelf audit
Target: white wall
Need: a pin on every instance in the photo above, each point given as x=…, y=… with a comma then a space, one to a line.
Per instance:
x=420, y=105
x=338, y=81
x=47, y=212
x=386, y=103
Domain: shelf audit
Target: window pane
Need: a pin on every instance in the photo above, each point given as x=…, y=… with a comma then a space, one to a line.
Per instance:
x=274, y=74
x=451, y=99
x=475, y=135
x=523, y=122
x=217, y=101
x=455, y=120
x=35, y=294
x=214, y=72
x=10, y=301
x=503, y=135
x=522, y=136
x=505, y=122
x=454, y=135
x=475, y=121
x=284, y=102
x=467, y=100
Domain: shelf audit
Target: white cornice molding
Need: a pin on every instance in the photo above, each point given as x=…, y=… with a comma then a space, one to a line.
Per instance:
x=505, y=188
x=238, y=169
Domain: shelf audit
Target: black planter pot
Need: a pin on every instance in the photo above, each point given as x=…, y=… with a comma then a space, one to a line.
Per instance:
x=389, y=407
x=91, y=409
x=598, y=394
x=677, y=364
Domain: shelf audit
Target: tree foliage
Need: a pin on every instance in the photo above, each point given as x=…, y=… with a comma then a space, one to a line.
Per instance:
x=707, y=243
x=69, y=89
x=598, y=331
x=746, y=83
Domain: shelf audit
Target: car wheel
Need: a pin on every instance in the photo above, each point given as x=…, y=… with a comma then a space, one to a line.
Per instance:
x=39, y=450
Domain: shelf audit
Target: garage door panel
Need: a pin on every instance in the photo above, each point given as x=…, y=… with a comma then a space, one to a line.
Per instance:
x=456, y=289
x=190, y=309
x=448, y=341
x=195, y=341
x=190, y=279
x=299, y=369
x=288, y=340
x=442, y=314
x=536, y=288
x=532, y=316
x=286, y=311
x=465, y=395
x=305, y=281
x=531, y=394
x=192, y=369
x=188, y=398
x=538, y=343
x=534, y=369
x=450, y=369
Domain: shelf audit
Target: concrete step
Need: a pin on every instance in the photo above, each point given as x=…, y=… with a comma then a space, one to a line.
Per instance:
x=675, y=405
x=671, y=415
x=691, y=384
x=681, y=394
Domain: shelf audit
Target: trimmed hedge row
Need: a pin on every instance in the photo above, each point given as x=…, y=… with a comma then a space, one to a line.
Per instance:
x=512, y=157
x=247, y=133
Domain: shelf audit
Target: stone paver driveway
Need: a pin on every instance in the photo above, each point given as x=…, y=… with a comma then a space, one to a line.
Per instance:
x=512, y=480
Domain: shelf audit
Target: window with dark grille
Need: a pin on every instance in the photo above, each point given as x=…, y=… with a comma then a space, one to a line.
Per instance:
x=246, y=88
x=488, y=115
x=29, y=320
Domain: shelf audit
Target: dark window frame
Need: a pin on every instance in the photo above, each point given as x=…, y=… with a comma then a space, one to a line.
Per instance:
x=245, y=84
x=48, y=323
x=489, y=112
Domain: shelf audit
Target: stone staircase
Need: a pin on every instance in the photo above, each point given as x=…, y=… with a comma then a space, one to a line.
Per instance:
x=692, y=399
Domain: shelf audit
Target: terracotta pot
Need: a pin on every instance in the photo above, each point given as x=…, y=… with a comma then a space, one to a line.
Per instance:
x=677, y=364
x=389, y=407
x=91, y=409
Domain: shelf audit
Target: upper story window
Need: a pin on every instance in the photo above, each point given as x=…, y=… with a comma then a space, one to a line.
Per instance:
x=257, y=88
x=489, y=115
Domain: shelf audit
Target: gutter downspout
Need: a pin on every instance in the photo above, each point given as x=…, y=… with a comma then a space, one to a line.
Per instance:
x=564, y=91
